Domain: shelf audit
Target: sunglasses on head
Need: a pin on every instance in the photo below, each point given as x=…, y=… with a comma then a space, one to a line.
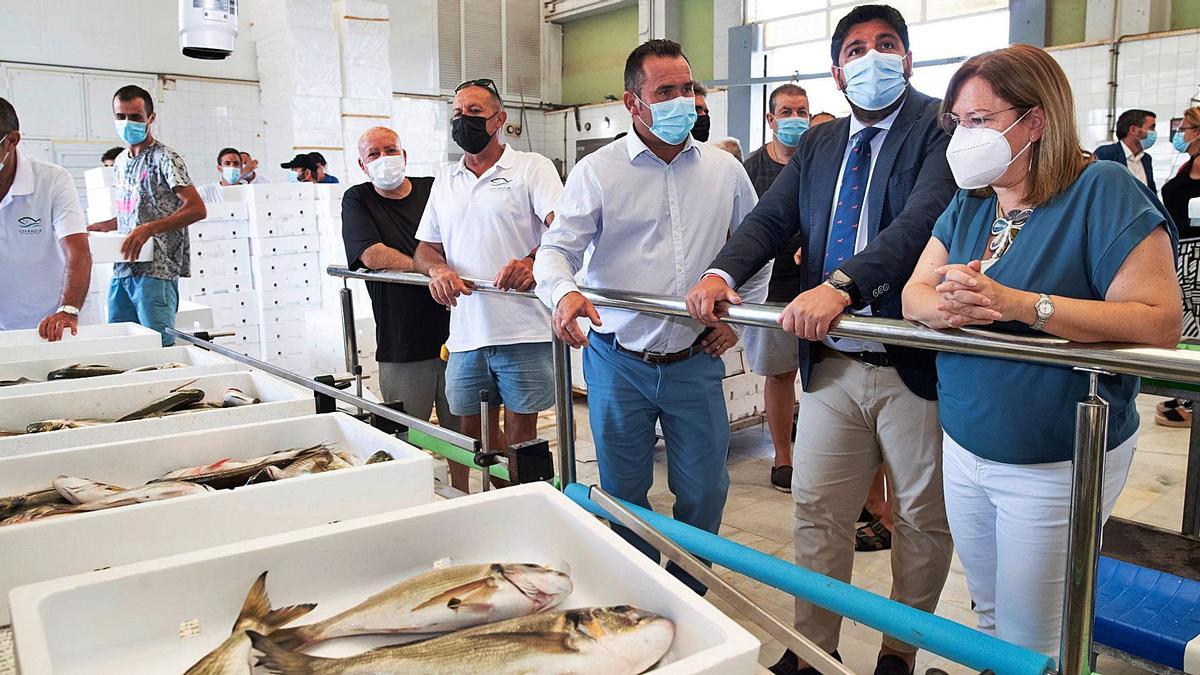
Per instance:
x=486, y=83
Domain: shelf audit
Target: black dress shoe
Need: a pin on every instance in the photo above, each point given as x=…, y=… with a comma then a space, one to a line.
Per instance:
x=890, y=664
x=789, y=664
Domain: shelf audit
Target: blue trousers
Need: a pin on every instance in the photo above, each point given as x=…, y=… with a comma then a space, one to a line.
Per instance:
x=626, y=397
x=148, y=301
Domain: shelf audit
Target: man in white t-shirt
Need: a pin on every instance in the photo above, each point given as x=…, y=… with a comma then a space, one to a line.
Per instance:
x=485, y=219
x=45, y=262
x=229, y=168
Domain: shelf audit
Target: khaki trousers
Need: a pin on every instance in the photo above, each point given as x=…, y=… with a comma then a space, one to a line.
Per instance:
x=853, y=418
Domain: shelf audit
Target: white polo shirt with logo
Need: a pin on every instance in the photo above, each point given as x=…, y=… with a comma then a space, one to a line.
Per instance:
x=40, y=208
x=483, y=223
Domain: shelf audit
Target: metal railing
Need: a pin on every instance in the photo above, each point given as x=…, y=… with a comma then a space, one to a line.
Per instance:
x=1091, y=412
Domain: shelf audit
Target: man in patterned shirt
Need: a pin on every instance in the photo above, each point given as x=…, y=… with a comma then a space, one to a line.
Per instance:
x=155, y=200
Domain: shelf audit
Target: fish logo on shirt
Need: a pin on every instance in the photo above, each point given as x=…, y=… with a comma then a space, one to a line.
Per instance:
x=29, y=225
x=500, y=183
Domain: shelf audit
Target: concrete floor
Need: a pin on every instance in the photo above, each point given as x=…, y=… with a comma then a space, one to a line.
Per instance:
x=759, y=516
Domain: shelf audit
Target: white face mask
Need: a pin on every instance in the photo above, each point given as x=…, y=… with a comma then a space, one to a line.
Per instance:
x=978, y=157
x=387, y=172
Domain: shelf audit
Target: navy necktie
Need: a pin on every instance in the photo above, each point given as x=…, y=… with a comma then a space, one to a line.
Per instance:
x=851, y=198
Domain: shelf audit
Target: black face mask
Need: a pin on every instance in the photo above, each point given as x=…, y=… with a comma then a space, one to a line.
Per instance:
x=470, y=133
x=701, y=127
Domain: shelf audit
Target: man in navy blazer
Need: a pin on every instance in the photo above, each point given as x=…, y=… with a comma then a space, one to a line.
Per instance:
x=862, y=193
x=1135, y=135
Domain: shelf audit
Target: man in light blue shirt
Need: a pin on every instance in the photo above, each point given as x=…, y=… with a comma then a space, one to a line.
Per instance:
x=653, y=208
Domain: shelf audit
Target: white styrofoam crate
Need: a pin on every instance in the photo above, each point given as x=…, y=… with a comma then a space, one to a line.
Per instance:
x=199, y=362
x=57, y=547
x=106, y=248
x=248, y=335
x=259, y=192
x=733, y=362
x=301, y=299
x=100, y=177
x=204, y=287
x=100, y=213
x=280, y=399
x=219, y=229
x=26, y=344
x=339, y=565
x=330, y=191
x=193, y=316
x=296, y=225
x=99, y=197
x=222, y=248
x=284, y=316
x=329, y=210
x=276, y=267
x=234, y=264
x=221, y=212
x=233, y=310
x=308, y=243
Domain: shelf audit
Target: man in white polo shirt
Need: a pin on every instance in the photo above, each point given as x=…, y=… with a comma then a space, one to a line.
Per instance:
x=485, y=218
x=45, y=262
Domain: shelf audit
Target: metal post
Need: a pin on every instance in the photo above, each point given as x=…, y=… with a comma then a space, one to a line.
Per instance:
x=1083, y=542
x=350, y=337
x=800, y=645
x=564, y=412
x=485, y=436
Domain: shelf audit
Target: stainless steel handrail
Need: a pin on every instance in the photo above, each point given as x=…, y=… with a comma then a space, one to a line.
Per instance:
x=1091, y=412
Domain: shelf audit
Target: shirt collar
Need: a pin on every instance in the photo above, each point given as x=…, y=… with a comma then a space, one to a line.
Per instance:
x=1129, y=154
x=23, y=182
x=506, y=161
x=635, y=146
x=885, y=124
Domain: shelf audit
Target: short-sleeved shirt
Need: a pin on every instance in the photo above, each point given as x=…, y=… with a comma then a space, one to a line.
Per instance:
x=328, y=179
x=145, y=192
x=483, y=223
x=409, y=324
x=1024, y=413
x=40, y=209
x=787, y=278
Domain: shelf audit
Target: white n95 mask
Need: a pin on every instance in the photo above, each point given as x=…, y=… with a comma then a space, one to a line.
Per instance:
x=978, y=157
x=387, y=172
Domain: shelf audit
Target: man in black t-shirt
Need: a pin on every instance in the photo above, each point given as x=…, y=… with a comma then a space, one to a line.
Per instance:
x=379, y=227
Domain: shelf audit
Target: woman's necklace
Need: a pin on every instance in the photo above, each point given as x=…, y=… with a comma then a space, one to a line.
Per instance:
x=1005, y=229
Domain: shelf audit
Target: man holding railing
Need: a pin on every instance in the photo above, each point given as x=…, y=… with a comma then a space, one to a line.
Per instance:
x=654, y=206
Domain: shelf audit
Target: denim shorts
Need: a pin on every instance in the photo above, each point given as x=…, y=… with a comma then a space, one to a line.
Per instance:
x=521, y=377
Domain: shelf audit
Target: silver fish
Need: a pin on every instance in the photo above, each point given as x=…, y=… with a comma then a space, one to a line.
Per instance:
x=610, y=640
x=146, y=493
x=235, y=397
x=228, y=473
x=83, y=490
x=172, y=401
x=232, y=657
x=442, y=600
x=19, y=380
x=10, y=506
x=60, y=424
x=78, y=371
x=381, y=456
x=38, y=513
x=160, y=366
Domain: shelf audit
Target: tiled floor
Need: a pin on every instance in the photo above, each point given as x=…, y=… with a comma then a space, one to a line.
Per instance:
x=758, y=516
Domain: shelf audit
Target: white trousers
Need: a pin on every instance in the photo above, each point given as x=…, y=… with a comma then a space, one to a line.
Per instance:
x=1010, y=528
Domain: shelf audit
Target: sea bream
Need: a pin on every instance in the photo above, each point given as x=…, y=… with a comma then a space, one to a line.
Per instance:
x=229, y=472
x=610, y=640
x=232, y=657
x=442, y=600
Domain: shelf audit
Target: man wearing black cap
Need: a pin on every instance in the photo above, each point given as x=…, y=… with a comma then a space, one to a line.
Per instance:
x=322, y=177
x=303, y=167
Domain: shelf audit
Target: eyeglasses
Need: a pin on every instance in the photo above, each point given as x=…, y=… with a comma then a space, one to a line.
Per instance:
x=949, y=121
x=486, y=83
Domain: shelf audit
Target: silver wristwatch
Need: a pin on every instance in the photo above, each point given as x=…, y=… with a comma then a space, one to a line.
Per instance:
x=69, y=309
x=1045, y=310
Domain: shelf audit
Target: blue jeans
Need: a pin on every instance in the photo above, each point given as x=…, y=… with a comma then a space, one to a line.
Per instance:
x=520, y=376
x=626, y=397
x=146, y=300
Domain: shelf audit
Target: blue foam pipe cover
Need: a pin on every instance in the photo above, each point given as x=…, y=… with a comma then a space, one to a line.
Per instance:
x=943, y=637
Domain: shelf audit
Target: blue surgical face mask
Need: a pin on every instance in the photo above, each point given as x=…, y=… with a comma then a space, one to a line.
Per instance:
x=231, y=174
x=1150, y=139
x=293, y=177
x=673, y=119
x=131, y=132
x=788, y=130
x=1179, y=142
x=874, y=81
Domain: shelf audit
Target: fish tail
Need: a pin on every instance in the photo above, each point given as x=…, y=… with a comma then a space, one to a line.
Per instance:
x=257, y=613
x=276, y=659
x=285, y=615
x=296, y=638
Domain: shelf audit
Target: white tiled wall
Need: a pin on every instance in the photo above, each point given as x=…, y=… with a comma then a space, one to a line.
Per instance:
x=198, y=117
x=1158, y=74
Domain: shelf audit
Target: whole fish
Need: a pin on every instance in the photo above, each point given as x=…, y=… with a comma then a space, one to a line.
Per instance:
x=610, y=640
x=172, y=401
x=77, y=371
x=381, y=456
x=13, y=383
x=235, y=397
x=57, y=425
x=229, y=473
x=146, y=493
x=38, y=513
x=160, y=366
x=232, y=657
x=83, y=490
x=10, y=506
x=442, y=600
x=318, y=463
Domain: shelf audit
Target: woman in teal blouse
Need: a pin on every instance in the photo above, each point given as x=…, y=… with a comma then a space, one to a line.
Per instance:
x=1042, y=239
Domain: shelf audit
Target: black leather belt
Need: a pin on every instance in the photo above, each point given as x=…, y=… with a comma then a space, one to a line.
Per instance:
x=655, y=358
x=879, y=359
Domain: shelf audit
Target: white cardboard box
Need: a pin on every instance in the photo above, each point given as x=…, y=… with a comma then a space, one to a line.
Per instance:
x=341, y=564
x=56, y=547
x=280, y=399
x=25, y=345
x=199, y=362
x=106, y=248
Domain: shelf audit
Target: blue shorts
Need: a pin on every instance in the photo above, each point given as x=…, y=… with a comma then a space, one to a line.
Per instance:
x=519, y=376
x=148, y=301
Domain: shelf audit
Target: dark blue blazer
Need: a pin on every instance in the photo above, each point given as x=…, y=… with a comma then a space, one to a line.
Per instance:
x=1113, y=152
x=910, y=187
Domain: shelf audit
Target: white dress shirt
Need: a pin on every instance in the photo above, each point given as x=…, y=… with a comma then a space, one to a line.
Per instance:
x=482, y=224
x=40, y=209
x=649, y=226
x=1134, y=162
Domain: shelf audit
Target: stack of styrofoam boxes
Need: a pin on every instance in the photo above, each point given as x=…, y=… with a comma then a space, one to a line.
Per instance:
x=744, y=390
x=99, y=183
x=281, y=227
x=221, y=275
x=332, y=247
x=363, y=31
x=327, y=355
